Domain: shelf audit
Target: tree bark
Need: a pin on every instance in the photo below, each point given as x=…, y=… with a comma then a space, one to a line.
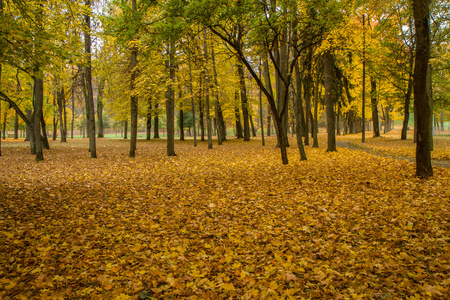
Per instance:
x=60, y=100
x=170, y=101
x=38, y=103
x=192, y=99
x=218, y=109
x=133, y=98
x=125, y=130
x=149, y=119
x=1, y=12
x=88, y=82
x=16, y=126
x=261, y=117
x=156, y=123
x=328, y=82
x=424, y=168
x=244, y=101
x=316, y=106
x=100, y=109
x=408, y=99
x=181, y=125
x=238, y=116
x=55, y=114
x=374, y=102
x=307, y=93
x=363, y=121
x=208, y=116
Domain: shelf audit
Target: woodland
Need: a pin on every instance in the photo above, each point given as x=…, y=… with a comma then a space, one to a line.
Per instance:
x=249, y=149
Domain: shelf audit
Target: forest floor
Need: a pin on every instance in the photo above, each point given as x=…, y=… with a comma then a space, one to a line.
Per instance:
x=226, y=223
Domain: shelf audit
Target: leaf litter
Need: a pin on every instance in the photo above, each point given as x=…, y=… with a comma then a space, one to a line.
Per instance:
x=231, y=222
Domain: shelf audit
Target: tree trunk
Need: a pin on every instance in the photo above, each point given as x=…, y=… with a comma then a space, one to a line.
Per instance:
x=252, y=125
x=88, y=82
x=133, y=98
x=100, y=109
x=338, y=120
x=268, y=83
x=60, y=100
x=424, y=168
x=406, y=108
x=307, y=93
x=181, y=125
x=55, y=115
x=16, y=126
x=261, y=117
x=430, y=99
x=1, y=12
x=328, y=82
x=45, y=143
x=125, y=129
x=316, y=106
x=149, y=119
x=192, y=99
x=244, y=102
x=238, y=117
x=298, y=107
x=208, y=115
x=200, y=105
x=374, y=102
x=73, y=109
x=170, y=101
x=156, y=124
x=28, y=130
x=38, y=104
x=218, y=109
x=363, y=121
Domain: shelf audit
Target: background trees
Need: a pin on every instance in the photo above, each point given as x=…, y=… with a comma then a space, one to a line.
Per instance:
x=212, y=59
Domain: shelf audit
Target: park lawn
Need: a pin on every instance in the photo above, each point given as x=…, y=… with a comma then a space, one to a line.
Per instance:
x=390, y=143
x=231, y=222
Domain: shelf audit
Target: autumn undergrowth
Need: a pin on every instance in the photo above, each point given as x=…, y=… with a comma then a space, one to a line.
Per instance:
x=226, y=223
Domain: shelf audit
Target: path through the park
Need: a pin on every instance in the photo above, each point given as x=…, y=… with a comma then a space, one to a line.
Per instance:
x=349, y=145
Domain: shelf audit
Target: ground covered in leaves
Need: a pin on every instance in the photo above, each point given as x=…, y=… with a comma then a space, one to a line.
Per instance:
x=227, y=223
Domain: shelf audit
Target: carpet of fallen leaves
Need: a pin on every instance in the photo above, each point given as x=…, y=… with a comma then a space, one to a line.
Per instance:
x=391, y=143
x=227, y=223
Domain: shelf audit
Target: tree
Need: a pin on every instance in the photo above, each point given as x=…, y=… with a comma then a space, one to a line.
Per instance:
x=424, y=168
x=133, y=99
x=329, y=99
x=88, y=81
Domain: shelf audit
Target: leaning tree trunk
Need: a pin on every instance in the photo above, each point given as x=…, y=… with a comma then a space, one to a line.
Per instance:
x=424, y=168
x=60, y=99
x=406, y=108
x=328, y=82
